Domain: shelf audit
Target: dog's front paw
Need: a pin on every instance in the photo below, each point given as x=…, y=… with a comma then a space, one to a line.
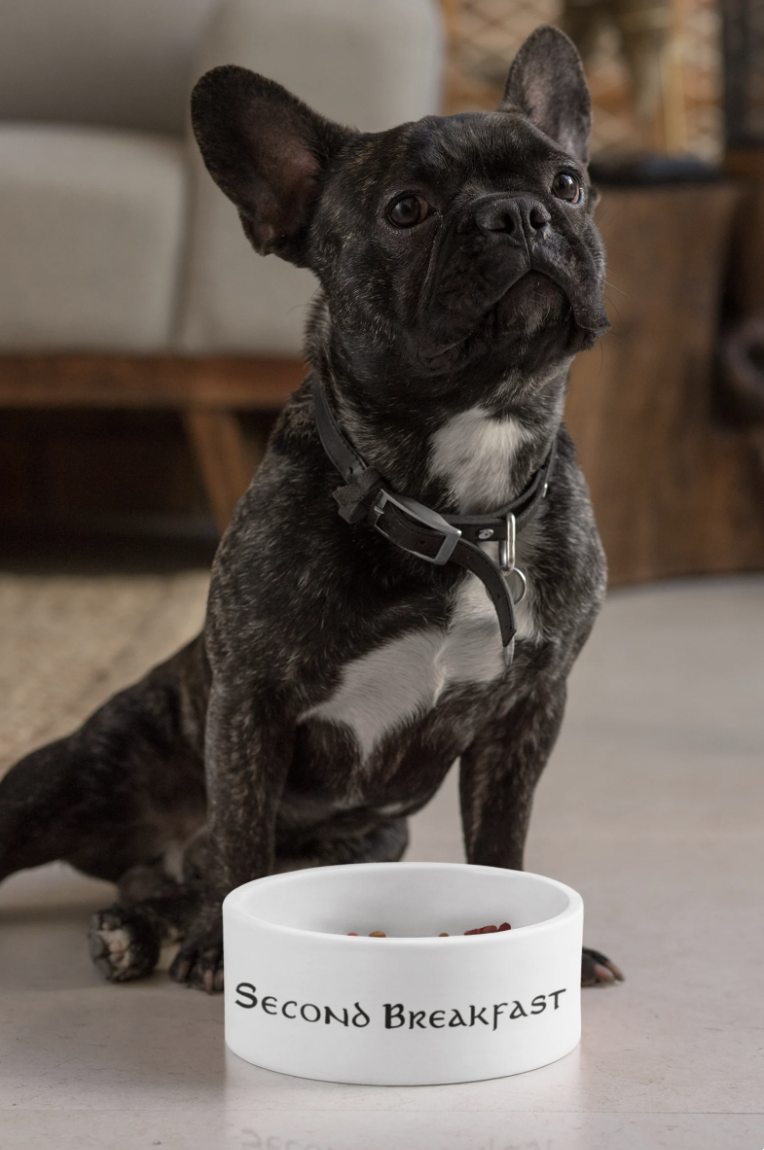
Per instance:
x=199, y=962
x=597, y=970
x=123, y=945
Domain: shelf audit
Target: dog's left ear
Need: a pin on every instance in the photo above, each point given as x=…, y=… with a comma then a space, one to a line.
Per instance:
x=546, y=83
x=266, y=150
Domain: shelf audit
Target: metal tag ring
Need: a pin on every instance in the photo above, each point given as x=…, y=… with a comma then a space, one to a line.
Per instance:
x=521, y=593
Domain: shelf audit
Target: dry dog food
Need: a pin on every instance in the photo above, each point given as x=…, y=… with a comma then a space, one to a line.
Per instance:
x=489, y=929
x=443, y=934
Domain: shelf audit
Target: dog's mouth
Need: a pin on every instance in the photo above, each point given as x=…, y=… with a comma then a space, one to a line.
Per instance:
x=538, y=300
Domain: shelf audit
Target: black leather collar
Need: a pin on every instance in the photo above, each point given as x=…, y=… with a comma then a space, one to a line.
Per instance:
x=420, y=531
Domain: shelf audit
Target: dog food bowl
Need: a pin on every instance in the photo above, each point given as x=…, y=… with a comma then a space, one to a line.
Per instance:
x=304, y=998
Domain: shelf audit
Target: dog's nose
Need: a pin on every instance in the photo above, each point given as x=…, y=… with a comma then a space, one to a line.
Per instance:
x=518, y=217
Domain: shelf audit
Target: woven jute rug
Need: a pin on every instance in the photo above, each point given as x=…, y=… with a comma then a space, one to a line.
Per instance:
x=68, y=642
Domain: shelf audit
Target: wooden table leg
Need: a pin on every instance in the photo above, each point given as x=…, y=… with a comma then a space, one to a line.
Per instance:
x=220, y=450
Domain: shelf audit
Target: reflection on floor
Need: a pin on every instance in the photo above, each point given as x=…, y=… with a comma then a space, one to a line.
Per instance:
x=651, y=807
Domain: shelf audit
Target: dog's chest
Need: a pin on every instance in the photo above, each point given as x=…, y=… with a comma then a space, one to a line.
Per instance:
x=402, y=680
x=406, y=678
x=473, y=453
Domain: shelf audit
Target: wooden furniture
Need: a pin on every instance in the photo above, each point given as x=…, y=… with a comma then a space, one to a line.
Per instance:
x=741, y=355
x=206, y=392
x=675, y=492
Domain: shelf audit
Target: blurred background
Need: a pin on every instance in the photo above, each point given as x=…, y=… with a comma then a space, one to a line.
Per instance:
x=145, y=349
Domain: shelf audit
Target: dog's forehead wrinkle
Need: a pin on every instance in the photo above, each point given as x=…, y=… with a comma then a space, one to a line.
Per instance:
x=453, y=152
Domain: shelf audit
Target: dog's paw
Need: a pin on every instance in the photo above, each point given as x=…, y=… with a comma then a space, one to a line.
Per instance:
x=199, y=962
x=123, y=945
x=597, y=970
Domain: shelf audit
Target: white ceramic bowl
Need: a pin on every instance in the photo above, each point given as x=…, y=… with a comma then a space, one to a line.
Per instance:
x=412, y=1008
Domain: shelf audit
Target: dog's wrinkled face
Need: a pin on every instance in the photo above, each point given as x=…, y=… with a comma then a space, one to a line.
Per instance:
x=465, y=235
x=450, y=244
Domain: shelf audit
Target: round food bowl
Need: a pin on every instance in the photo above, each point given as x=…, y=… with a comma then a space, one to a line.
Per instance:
x=303, y=997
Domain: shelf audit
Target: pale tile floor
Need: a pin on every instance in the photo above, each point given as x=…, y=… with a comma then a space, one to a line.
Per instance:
x=652, y=808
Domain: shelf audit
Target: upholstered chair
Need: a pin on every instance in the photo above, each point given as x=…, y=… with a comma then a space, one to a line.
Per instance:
x=125, y=277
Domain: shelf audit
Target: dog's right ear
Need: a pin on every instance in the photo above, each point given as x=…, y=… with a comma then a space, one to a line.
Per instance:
x=265, y=149
x=547, y=84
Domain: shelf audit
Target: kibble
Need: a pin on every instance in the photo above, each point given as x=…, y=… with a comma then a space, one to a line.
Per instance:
x=444, y=934
x=489, y=929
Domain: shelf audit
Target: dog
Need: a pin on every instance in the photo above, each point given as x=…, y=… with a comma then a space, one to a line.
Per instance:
x=415, y=566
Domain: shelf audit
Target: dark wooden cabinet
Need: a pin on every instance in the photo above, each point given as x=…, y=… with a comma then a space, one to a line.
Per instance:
x=676, y=492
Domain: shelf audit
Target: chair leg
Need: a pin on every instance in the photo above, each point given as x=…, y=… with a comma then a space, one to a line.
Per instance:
x=218, y=445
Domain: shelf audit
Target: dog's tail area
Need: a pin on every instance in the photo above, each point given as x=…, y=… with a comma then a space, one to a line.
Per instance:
x=114, y=793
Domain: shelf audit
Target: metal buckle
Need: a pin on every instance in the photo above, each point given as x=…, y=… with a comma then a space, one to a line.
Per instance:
x=420, y=514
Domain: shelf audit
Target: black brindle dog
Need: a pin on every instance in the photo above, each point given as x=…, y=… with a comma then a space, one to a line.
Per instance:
x=356, y=642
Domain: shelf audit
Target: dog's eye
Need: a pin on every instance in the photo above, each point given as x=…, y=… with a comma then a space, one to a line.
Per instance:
x=567, y=187
x=408, y=211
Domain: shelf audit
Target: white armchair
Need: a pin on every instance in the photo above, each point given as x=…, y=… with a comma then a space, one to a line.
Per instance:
x=126, y=279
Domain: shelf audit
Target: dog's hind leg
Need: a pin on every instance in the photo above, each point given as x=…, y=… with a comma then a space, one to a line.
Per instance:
x=69, y=800
x=117, y=792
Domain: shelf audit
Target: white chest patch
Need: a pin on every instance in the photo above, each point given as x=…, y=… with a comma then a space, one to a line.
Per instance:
x=405, y=678
x=472, y=452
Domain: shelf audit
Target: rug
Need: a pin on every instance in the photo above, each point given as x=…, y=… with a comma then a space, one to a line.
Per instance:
x=68, y=642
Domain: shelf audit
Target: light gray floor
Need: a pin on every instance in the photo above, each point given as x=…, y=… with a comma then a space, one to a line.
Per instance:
x=652, y=808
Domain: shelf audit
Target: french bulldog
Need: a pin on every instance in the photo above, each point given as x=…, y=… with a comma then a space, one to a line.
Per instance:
x=398, y=588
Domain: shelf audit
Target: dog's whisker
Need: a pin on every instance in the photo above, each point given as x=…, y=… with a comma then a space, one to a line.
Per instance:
x=614, y=307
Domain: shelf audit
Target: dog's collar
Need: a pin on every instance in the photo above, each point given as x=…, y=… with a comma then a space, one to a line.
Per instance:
x=420, y=531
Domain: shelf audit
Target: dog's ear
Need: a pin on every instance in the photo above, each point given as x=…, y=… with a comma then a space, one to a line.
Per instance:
x=265, y=149
x=546, y=83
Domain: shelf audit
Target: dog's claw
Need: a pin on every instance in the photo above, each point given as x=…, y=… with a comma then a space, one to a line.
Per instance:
x=199, y=962
x=598, y=970
x=202, y=971
x=180, y=969
x=97, y=945
x=602, y=973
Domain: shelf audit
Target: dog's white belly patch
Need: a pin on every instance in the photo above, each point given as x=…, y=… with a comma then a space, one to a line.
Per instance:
x=472, y=451
x=403, y=679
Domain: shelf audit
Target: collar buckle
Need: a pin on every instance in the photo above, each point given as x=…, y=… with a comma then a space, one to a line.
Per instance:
x=420, y=514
